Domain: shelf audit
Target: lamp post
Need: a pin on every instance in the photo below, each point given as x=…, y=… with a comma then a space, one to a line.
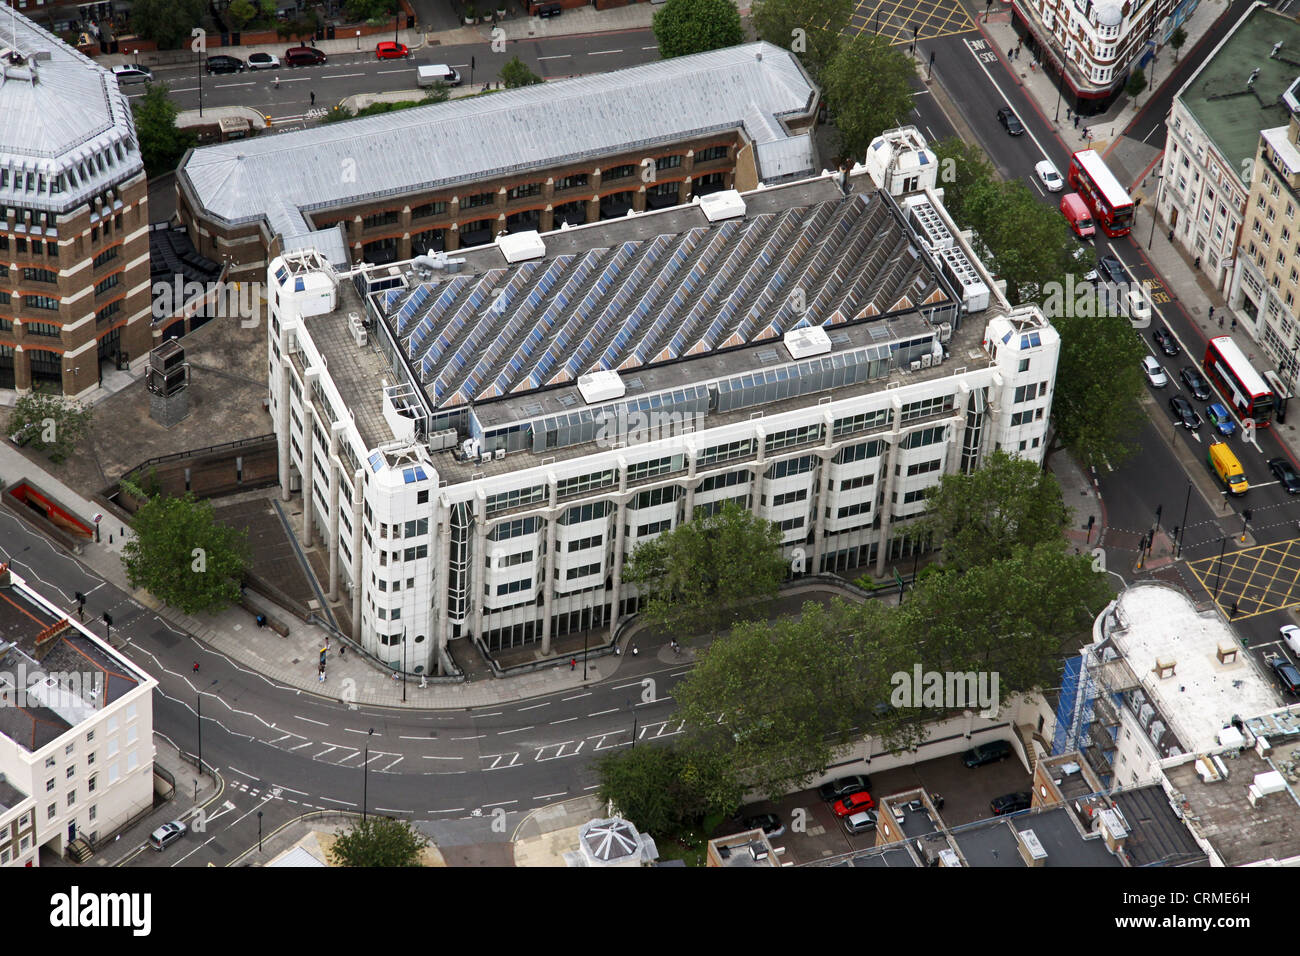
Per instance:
x=1223, y=543
x=1155, y=210
x=397, y=22
x=358, y=39
x=259, y=831
x=365, y=776
x=403, y=665
x=198, y=714
x=200, y=59
x=1182, y=528
x=633, y=709
x=585, y=637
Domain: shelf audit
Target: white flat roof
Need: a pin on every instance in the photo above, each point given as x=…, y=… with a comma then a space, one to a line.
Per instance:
x=520, y=246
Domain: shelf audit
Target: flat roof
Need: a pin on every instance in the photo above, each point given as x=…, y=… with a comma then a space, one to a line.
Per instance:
x=280, y=179
x=1159, y=623
x=10, y=796
x=1231, y=114
x=1157, y=837
x=71, y=651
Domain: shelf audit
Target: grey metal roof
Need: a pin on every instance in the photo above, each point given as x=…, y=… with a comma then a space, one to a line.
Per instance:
x=752, y=86
x=472, y=337
x=59, y=112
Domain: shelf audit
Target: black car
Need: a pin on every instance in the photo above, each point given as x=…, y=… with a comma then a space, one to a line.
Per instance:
x=1286, y=474
x=1184, y=413
x=1111, y=269
x=1010, y=121
x=990, y=752
x=1011, y=802
x=1165, y=341
x=226, y=64
x=842, y=787
x=769, y=823
x=1199, y=388
x=1286, y=672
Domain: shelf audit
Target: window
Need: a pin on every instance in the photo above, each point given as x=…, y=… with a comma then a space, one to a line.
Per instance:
x=588, y=512
x=415, y=528
x=723, y=481
x=582, y=572
x=923, y=437
x=419, y=551
x=582, y=544
x=861, y=422
x=41, y=302
x=514, y=587
x=794, y=466
x=793, y=436
x=42, y=328
x=582, y=483
x=654, y=527
x=478, y=199
x=654, y=497
x=107, y=283
x=105, y=256
x=710, y=154
x=72, y=797
x=108, y=311
x=650, y=469
x=436, y=208
x=40, y=275
x=386, y=218
x=575, y=181
x=668, y=162
x=728, y=452
x=928, y=406
x=511, y=560
x=619, y=172
x=922, y=468
x=72, y=772
x=848, y=511
x=790, y=524
x=790, y=497
x=51, y=811
x=49, y=785
x=515, y=499
x=524, y=191
x=861, y=481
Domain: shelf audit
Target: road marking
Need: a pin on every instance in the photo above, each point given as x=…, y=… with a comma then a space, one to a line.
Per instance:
x=305, y=743
x=330, y=76
x=602, y=713
x=502, y=733
x=1028, y=132
x=602, y=52
x=250, y=776
x=564, y=721
x=548, y=796
x=390, y=71
x=320, y=723
x=576, y=696
x=503, y=803
x=433, y=757
x=557, y=56
x=535, y=706
x=226, y=86
x=368, y=733
x=475, y=737
x=649, y=48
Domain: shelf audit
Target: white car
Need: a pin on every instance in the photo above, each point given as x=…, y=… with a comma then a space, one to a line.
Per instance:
x=1137, y=306
x=1291, y=635
x=1154, y=373
x=132, y=73
x=167, y=834
x=1048, y=176
x=263, y=61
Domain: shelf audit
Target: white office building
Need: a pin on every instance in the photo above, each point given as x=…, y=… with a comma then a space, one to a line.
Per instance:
x=482, y=441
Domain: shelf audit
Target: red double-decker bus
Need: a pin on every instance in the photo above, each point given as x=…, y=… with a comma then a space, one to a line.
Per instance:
x=1237, y=381
x=1111, y=205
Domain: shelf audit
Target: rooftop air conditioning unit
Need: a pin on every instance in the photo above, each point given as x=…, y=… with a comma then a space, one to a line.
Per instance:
x=500, y=453
x=927, y=360
x=945, y=331
x=357, y=328
x=915, y=366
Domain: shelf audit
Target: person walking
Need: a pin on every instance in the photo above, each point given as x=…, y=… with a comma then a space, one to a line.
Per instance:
x=1076, y=120
x=573, y=663
x=313, y=97
x=1234, y=323
x=196, y=667
x=1212, y=317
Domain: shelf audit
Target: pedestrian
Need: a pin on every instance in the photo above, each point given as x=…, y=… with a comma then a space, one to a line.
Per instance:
x=1011, y=54
x=313, y=97
x=634, y=650
x=342, y=648
x=1212, y=316
x=275, y=80
x=1076, y=120
x=1220, y=321
x=573, y=662
x=1234, y=323
x=1171, y=235
x=196, y=667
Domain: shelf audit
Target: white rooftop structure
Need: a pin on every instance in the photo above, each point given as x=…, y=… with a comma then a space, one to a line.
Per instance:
x=1202, y=694
x=279, y=178
x=725, y=204
x=66, y=131
x=521, y=246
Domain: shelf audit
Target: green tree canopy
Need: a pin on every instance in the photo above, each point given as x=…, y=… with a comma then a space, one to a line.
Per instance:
x=1137, y=82
x=183, y=556
x=358, y=10
x=516, y=73
x=707, y=573
x=1096, y=407
x=240, y=14
x=50, y=423
x=665, y=790
x=1006, y=504
x=161, y=143
x=167, y=22
x=867, y=87
x=810, y=29
x=683, y=27
x=1176, y=40
x=379, y=841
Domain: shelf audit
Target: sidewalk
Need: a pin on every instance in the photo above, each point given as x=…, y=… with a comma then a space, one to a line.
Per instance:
x=1082, y=498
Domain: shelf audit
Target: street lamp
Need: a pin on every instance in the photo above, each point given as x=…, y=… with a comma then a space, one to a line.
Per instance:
x=633, y=709
x=259, y=831
x=365, y=774
x=403, y=665
x=1182, y=528
x=585, y=636
x=397, y=21
x=198, y=712
x=358, y=39
x=1223, y=543
x=1155, y=210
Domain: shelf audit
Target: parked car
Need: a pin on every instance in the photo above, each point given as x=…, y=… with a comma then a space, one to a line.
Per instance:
x=843, y=786
x=1285, y=473
x=167, y=834
x=548, y=10
x=990, y=752
x=226, y=64
x=1164, y=340
x=303, y=56
x=1154, y=373
x=1010, y=121
x=1112, y=269
x=389, y=50
x=263, y=61
x=1048, y=176
x=863, y=822
x=1219, y=416
x=1286, y=672
x=1011, y=802
x=1184, y=413
x=132, y=73
x=854, y=803
x=1291, y=637
x=769, y=823
x=1197, y=385
x=1138, y=309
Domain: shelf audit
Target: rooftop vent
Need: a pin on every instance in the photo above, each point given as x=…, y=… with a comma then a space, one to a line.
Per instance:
x=808, y=341
x=600, y=386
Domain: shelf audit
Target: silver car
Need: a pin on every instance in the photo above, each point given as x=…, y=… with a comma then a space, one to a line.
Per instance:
x=1154, y=373
x=167, y=834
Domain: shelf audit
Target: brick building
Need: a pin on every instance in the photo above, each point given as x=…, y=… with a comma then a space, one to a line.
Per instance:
x=456, y=174
x=74, y=247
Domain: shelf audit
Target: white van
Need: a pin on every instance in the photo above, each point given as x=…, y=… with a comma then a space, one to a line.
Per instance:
x=437, y=73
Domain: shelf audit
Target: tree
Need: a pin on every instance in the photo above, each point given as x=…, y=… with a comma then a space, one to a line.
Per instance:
x=516, y=73
x=1176, y=40
x=665, y=790
x=358, y=10
x=1137, y=82
x=810, y=29
x=868, y=91
x=706, y=573
x=379, y=841
x=683, y=27
x=50, y=423
x=1006, y=504
x=167, y=22
x=240, y=14
x=1020, y=238
x=1096, y=407
x=182, y=555
x=161, y=143
x=1015, y=617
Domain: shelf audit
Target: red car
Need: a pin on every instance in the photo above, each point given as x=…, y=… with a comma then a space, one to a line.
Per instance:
x=854, y=803
x=388, y=50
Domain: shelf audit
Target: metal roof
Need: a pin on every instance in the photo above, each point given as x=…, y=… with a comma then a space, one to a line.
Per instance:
x=512, y=330
x=59, y=111
x=753, y=86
